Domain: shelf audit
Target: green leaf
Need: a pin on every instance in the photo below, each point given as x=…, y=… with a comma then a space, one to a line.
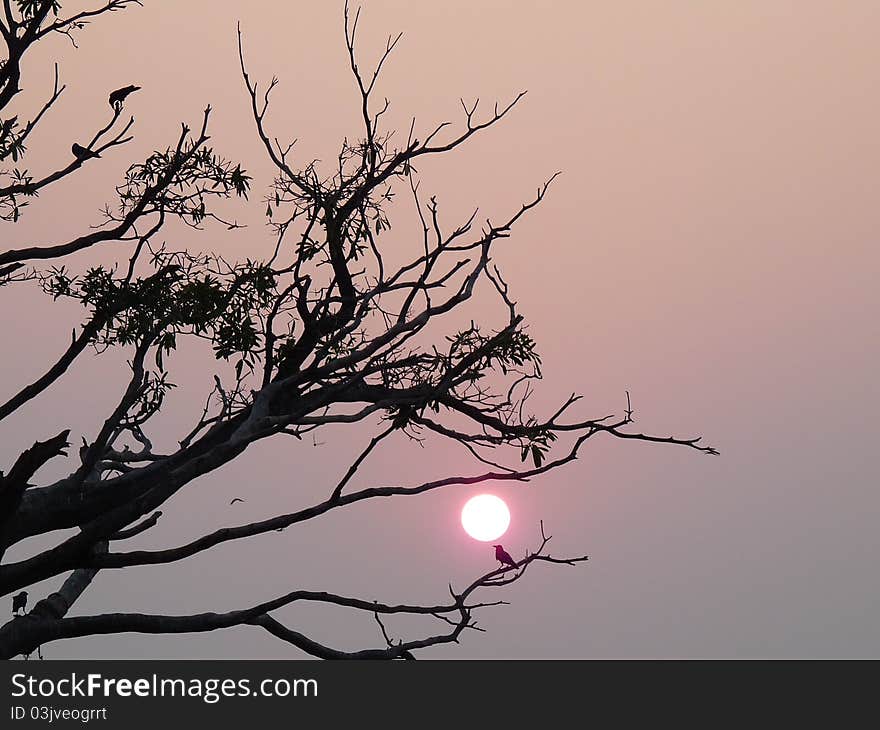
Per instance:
x=537, y=456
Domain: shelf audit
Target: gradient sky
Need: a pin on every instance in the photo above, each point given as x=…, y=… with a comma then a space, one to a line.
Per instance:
x=710, y=246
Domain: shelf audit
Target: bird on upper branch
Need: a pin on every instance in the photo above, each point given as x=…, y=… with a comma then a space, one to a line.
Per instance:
x=503, y=557
x=117, y=97
x=82, y=153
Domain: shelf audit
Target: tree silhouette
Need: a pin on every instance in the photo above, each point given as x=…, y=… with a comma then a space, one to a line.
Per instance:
x=325, y=331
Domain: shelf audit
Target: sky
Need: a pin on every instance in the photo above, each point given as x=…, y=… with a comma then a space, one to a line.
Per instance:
x=710, y=246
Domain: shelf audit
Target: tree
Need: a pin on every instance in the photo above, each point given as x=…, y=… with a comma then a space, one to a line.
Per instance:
x=326, y=331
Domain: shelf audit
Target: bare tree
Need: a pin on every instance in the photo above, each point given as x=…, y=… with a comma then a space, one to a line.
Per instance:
x=323, y=332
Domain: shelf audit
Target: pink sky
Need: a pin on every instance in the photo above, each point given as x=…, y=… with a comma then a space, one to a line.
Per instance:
x=710, y=246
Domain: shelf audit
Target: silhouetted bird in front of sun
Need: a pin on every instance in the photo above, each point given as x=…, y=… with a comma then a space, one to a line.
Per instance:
x=118, y=96
x=19, y=602
x=503, y=557
x=82, y=153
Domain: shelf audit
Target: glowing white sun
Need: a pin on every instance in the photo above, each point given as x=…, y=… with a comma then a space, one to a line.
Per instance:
x=485, y=517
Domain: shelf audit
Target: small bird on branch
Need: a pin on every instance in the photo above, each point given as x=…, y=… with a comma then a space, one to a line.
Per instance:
x=117, y=97
x=19, y=602
x=82, y=153
x=503, y=557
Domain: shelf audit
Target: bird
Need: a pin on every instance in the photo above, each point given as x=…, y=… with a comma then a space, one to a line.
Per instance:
x=236, y=499
x=503, y=557
x=117, y=97
x=19, y=602
x=82, y=153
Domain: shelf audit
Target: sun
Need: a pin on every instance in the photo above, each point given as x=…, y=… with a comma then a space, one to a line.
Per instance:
x=485, y=517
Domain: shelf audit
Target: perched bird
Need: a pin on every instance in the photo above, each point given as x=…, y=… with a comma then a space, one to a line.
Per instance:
x=118, y=96
x=82, y=153
x=236, y=499
x=19, y=602
x=503, y=557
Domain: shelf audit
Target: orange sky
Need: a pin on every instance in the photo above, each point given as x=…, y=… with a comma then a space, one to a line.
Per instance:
x=710, y=246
